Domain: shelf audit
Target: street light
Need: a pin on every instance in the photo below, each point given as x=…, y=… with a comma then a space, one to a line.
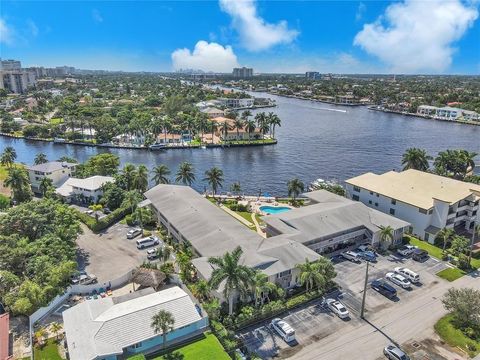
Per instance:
x=364, y=291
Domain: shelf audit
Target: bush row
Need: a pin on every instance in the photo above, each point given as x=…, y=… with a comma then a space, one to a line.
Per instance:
x=104, y=222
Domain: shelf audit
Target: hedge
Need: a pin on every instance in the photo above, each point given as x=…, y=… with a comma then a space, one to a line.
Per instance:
x=104, y=222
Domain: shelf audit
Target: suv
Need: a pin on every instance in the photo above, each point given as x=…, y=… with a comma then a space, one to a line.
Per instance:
x=352, y=256
x=383, y=288
x=420, y=255
x=406, y=250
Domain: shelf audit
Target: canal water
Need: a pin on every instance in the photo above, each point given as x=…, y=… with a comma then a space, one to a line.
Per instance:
x=315, y=141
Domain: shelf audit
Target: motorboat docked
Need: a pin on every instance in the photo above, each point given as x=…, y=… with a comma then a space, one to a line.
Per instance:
x=157, y=146
x=320, y=184
x=58, y=140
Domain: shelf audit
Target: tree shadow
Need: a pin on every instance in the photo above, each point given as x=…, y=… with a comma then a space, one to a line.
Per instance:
x=174, y=356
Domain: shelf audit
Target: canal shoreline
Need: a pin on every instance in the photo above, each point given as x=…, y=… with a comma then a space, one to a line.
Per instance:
x=130, y=147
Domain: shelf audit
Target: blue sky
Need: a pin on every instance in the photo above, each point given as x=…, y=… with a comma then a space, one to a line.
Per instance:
x=406, y=36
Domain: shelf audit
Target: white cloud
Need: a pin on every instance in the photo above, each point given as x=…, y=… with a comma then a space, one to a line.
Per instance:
x=33, y=28
x=417, y=35
x=6, y=33
x=205, y=56
x=360, y=11
x=255, y=33
x=96, y=16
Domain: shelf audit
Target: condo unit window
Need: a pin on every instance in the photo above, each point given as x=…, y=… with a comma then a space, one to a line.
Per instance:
x=392, y=211
x=423, y=211
x=356, y=188
x=427, y=235
x=370, y=202
x=137, y=345
x=371, y=192
x=394, y=202
x=376, y=204
x=355, y=197
x=378, y=194
x=430, y=212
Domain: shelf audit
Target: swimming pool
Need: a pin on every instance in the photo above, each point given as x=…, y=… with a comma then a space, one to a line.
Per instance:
x=274, y=209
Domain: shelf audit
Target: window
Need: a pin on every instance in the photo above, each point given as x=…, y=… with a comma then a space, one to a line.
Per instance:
x=394, y=202
x=371, y=192
x=376, y=204
x=423, y=211
x=392, y=211
x=370, y=202
x=356, y=188
x=377, y=194
x=355, y=197
x=427, y=235
x=137, y=345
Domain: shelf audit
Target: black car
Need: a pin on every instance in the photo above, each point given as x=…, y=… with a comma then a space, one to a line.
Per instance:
x=383, y=288
x=420, y=255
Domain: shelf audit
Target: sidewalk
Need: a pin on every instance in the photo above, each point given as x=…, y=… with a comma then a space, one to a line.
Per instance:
x=235, y=215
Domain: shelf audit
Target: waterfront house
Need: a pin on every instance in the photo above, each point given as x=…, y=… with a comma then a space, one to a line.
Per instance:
x=331, y=223
x=192, y=219
x=213, y=112
x=427, y=201
x=118, y=327
x=237, y=103
x=85, y=191
x=232, y=133
x=57, y=171
x=448, y=113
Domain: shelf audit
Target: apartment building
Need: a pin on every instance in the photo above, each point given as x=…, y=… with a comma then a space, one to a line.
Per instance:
x=427, y=201
x=17, y=81
x=242, y=72
x=57, y=171
x=10, y=65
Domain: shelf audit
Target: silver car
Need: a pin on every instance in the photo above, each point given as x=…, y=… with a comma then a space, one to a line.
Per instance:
x=395, y=353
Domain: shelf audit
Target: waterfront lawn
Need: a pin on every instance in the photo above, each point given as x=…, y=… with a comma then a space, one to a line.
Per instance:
x=432, y=250
x=47, y=352
x=56, y=121
x=207, y=348
x=455, y=337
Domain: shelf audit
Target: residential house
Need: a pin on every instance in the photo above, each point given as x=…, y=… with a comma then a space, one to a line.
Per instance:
x=118, y=327
x=427, y=201
x=57, y=171
x=86, y=191
x=213, y=112
x=332, y=223
x=232, y=133
x=237, y=103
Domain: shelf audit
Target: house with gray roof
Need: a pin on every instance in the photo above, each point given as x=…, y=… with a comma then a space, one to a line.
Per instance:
x=118, y=327
x=191, y=218
x=88, y=190
x=56, y=171
x=331, y=222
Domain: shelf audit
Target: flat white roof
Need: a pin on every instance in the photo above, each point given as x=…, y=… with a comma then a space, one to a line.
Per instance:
x=91, y=183
x=415, y=187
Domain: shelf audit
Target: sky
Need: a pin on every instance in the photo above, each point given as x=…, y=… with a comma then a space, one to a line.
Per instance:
x=401, y=37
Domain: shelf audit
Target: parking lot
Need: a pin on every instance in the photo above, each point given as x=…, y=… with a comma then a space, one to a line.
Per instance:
x=108, y=254
x=315, y=321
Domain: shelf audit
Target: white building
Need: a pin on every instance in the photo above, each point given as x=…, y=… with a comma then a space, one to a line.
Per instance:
x=87, y=191
x=237, y=103
x=242, y=72
x=213, y=112
x=448, y=113
x=429, y=202
x=10, y=65
x=57, y=171
x=17, y=81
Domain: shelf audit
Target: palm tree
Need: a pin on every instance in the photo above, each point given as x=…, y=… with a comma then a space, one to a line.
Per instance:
x=213, y=127
x=40, y=158
x=140, y=181
x=17, y=180
x=238, y=123
x=214, y=177
x=162, y=322
x=415, y=158
x=164, y=252
x=225, y=128
x=184, y=262
x=131, y=200
x=236, y=188
x=261, y=287
x=128, y=173
x=310, y=275
x=295, y=187
x=160, y=173
x=386, y=234
x=246, y=114
x=469, y=161
x=45, y=185
x=56, y=327
x=445, y=235
x=237, y=277
x=185, y=173
x=8, y=156
x=250, y=127
x=201, y=290
x=274, y=121
x=96, y=208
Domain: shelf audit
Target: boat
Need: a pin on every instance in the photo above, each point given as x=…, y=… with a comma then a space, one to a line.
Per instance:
x=59, y=140
x=157, y=146
x=321, y=184
x=203, y=147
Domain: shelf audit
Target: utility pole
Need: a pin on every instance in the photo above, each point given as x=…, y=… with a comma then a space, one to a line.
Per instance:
x=364, y=291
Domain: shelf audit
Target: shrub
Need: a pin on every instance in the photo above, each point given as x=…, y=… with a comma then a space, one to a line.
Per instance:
x=146, y=232
x=462, y=262
x=102, y=223
x=4, y=202
x=129, y=220
x=471, y=333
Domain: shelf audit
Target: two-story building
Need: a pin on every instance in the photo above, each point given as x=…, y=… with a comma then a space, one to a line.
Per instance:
x=119, y=327
x=57, y=171
x=427, y=201
x=84, y=191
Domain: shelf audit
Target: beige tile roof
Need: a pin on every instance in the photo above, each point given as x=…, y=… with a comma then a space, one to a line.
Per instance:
x=415, y=187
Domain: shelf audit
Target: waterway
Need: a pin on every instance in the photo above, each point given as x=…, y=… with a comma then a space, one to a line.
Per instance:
x=315, y=141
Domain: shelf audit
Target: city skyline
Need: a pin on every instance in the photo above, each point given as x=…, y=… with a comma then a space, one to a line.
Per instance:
x=284, y=37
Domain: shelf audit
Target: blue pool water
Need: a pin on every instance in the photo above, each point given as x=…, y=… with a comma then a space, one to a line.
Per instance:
x=274, y=209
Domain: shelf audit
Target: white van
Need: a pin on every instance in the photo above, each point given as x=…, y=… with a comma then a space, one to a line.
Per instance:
x=412, y=276
x=147, y=242
x=283, y=329
x=352, y=256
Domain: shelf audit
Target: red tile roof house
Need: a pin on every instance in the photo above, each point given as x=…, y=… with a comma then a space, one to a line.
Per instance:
x=5, y=343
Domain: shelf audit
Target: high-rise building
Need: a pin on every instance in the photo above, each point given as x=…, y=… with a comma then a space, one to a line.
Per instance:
x=242, y=72
x=314, y=75
x=17, y=81
x=11, y=65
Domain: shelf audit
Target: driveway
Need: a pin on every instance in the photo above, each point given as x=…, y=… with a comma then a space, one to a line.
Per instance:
x=108, y=254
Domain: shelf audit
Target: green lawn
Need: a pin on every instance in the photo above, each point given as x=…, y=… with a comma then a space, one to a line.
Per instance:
x=47, y=352
x=432, y=250
x=3, y=172
x=451, y=274
x=207, y=348
x=454, y=337
x=56, y=121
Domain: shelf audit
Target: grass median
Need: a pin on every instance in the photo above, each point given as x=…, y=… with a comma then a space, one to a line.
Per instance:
x=455, y=337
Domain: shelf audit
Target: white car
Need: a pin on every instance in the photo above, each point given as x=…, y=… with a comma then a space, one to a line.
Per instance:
x=132, y=233
x=411, y=276
x=406, y=250
x=399, y=280
x=283, y=329
x=152, y=254
x=352, y=256
x=338, y=308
